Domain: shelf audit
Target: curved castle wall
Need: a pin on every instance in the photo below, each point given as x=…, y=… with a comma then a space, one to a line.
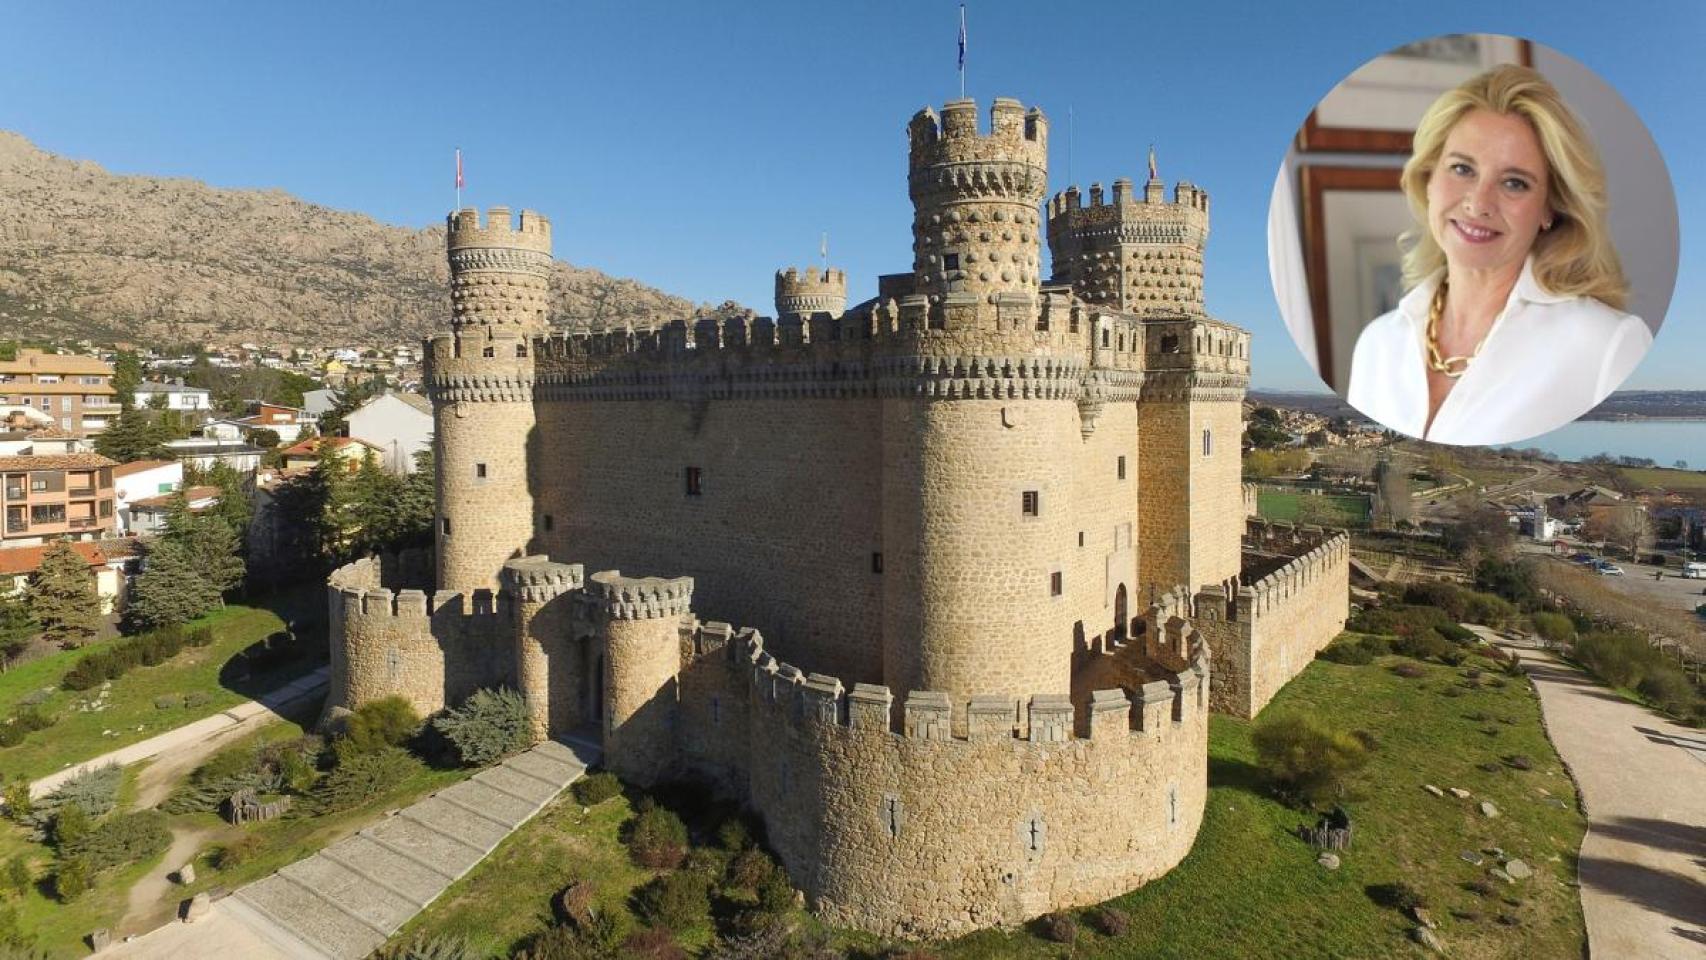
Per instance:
x=918, y=832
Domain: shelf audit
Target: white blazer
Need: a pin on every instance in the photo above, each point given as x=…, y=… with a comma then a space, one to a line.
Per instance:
x=1547, y=360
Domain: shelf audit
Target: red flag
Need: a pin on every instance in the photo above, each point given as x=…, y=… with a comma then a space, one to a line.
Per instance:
x=458, y=168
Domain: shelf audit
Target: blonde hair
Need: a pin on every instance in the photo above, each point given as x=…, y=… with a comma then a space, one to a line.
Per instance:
x=1575, y=256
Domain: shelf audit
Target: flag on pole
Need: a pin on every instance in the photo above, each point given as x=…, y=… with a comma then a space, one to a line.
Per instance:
x=962, y=38
x=458, y=168
x=1152, y=174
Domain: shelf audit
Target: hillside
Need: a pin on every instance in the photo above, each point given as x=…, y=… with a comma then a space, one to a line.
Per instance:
x=84, y=252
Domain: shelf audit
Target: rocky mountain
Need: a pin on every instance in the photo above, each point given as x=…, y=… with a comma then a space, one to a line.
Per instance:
x=88, y=253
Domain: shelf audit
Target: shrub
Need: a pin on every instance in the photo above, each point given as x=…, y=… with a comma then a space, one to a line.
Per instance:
x=1347, y=652
x=1305, y=760
x=750, y=868
x=1518, y=761
x=1669, y=689
x=360, y=777
x=95, y=792
x=442, y=947
x=1397, y=896
x=70, y=879
x=200, y=637
x=225, y=773
x=775, y=894
x=653, y=943
x=733, y=834
x=197, y=698
x=571, y=943
x=1457, y=633
x=1421, y=644
x=595, y=788
x=1409, y=671
x=1619, y=657
x=378, y=724
x=1452, y=658
x=239, y=851
x=658, y=839
x=1060, y=927
x=120, y=839
x=1112, y=922
x=675, y=900
x=19, y=804
x=1376, y=644
x=1554, y=629
x=490, y=725
x=17, y=878
x=707, y=862
x=1369, y=741
x=168, y=701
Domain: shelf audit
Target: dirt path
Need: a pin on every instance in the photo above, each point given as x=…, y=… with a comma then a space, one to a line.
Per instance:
x=1642, y=864
x=150, y=903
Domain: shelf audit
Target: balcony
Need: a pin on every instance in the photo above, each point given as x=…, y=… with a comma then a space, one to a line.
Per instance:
x=14, y=493
x=80, y=493
x=82, y=523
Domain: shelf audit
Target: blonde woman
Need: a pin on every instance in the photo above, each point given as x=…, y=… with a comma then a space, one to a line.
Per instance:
x=1513, y=322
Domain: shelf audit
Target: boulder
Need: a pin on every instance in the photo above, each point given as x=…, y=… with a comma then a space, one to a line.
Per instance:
x=1426, y=938
x=197, y=907
x=1488, y=810
x=1433, y=789
x=1328, y=860
x=186, y=874
x=1518, y=870
x=1460, y=793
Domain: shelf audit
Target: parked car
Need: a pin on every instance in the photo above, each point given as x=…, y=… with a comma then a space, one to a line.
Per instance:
x=1609, y=570
x=1583, y=558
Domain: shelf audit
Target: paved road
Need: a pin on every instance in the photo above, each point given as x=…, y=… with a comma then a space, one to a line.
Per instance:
x=1643, y=784
x=344, y=901
x=269, y=705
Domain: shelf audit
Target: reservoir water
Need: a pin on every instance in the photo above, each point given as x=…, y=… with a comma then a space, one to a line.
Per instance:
x=1663, y=441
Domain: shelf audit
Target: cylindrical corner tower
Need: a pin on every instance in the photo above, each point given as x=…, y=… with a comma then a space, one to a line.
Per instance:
x=642, y=660
x=806, y=294
x=480, y=378
x=975, y=198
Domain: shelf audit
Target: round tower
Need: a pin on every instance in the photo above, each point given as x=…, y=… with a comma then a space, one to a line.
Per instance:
x=642, y=659
x=1135, y=254
x=975, y=198
x=480, y=379
x=807, y=294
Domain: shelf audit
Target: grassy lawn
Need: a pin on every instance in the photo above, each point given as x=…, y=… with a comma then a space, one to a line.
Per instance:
x=58, y=927
x=1250, y=887
x=1327, y=509
x=1663, y=478
x=127, y=713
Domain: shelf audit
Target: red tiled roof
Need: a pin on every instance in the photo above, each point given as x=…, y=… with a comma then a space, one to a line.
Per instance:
x=137, y=466
x=191, y=494
x=21, y=560
x=311, y=446
x=58, y=461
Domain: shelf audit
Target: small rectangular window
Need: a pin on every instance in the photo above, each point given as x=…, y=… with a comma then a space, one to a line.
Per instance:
x=950, y=261
x=694, y=487
x=489, y=352
x=1207, y=442
x=1081, y=538
x=1122, y=468
x=521, y=349
x=1056, y=583
x=547, y=521
x=444, y=525
x=480, y=471
x=1028, y=502
x=877, y=562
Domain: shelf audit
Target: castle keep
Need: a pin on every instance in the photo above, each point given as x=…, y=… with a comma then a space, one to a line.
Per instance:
x=936, y=583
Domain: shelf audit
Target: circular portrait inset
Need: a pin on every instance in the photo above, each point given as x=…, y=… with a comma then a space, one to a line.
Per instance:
x=1473, y=239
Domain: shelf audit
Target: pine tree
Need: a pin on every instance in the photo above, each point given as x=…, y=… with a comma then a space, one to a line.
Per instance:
x=172, y=588
x=62, y=597
x=17, y=627
x=127, y=374
x=234, y=505
x=130, y=436
x=334, y=525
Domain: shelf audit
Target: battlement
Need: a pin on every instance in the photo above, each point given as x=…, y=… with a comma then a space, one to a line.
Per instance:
x=1315, y=553
x=640, y=598
x=531, y=232
x=357, y=586
x=953, y=136
x=537, y=579
x=1189, y=205
x=1040, y=719
x=811, y=292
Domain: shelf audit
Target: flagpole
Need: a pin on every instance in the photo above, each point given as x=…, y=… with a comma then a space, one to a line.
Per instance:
x=962, y=51
x=458, y=178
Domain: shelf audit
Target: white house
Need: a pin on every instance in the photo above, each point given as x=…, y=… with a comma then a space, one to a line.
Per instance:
x=316, y=402
x=148, y=514
x=178, y=396
x=399, y=424
x=204, y=452
x=139, y=480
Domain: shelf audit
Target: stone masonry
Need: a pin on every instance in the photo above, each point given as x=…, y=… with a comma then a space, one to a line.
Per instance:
x=973, y=528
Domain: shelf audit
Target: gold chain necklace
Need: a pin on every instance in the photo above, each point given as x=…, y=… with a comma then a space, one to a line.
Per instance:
x=1452, y=367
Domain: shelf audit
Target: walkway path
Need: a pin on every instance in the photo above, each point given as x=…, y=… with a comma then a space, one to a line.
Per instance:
x=1643, y=784
x=347, y=899
x=269, y=705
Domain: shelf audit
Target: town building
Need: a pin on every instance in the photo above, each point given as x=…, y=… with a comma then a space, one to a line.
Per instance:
x=203, y=452
x=398, y=424
x=943, y=585
x=75, y=391
x=173, y=395
x=351, y=450
x=56, y=496
x=141, y=480
x=19, y=564
x=148, y=514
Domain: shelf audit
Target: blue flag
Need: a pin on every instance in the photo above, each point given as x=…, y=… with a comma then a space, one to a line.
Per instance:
x=962, y=36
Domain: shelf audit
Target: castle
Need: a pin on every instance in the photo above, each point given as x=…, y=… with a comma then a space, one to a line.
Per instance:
x=982, y=540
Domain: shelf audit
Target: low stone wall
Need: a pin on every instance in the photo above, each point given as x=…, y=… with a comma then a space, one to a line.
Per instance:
x=1264, y=633
x=892, y=824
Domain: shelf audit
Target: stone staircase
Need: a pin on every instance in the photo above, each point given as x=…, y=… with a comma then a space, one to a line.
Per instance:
x=346, y=900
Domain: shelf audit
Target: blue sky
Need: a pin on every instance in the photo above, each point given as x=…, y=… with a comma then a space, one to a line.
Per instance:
x=697, y=146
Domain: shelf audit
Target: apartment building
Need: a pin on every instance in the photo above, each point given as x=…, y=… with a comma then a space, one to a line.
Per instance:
x=54, y=496
x=75, y=391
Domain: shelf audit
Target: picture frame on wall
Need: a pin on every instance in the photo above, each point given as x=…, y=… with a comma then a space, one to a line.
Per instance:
x=1375, y=110
x=1352, y=219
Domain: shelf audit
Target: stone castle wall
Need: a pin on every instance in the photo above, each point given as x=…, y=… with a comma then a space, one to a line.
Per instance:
x=894, y=823
x=1263, y=633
